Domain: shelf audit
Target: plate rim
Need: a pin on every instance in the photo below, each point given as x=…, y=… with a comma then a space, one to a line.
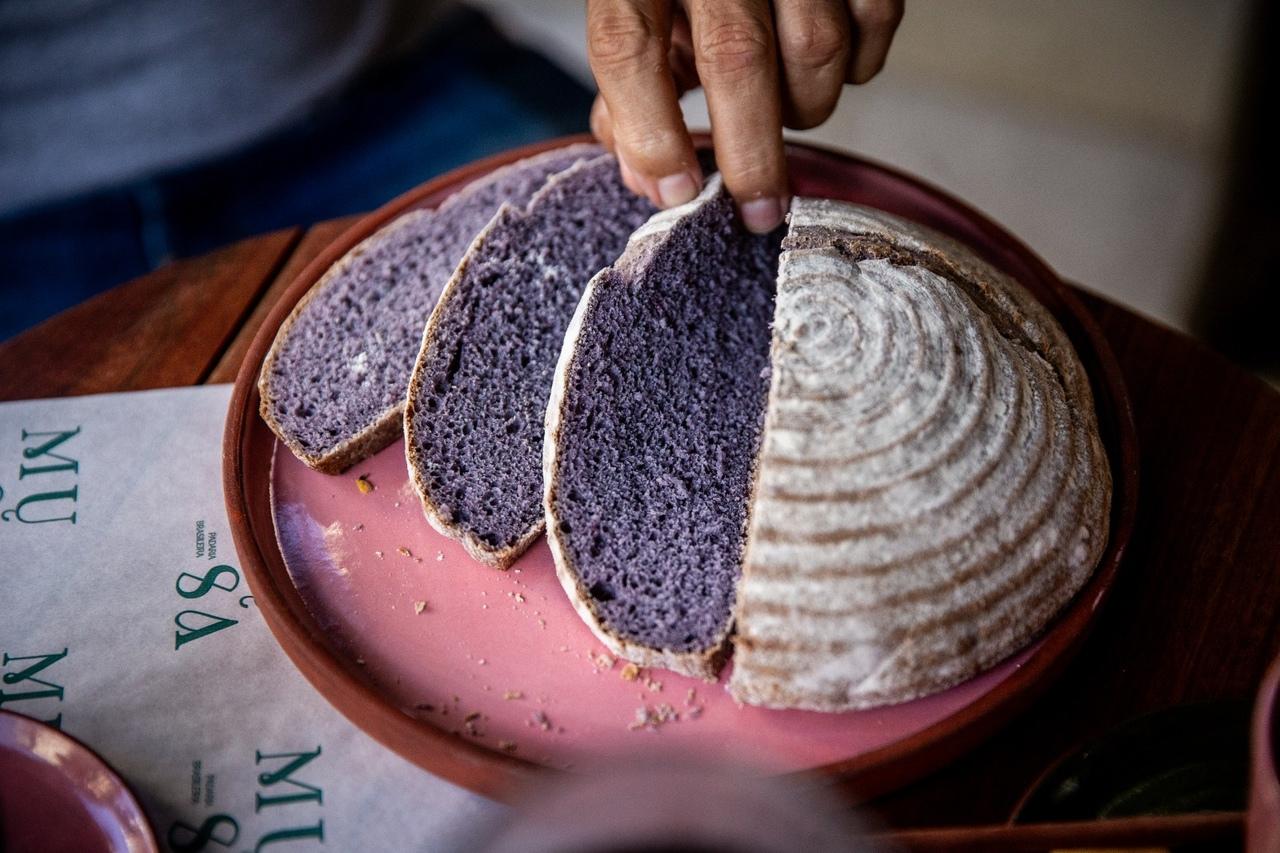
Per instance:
x=497, y=775
x=14, y=720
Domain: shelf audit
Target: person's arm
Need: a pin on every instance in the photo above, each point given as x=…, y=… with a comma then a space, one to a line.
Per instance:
x=763, y=65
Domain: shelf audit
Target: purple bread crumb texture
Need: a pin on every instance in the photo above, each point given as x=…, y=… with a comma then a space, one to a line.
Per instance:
x=485, y=374
x=347, y=359
x=663, y=413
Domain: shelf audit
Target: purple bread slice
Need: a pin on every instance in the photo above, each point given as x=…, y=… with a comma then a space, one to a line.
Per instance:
x=333, y=384
x=652, y=433
x=478, y=394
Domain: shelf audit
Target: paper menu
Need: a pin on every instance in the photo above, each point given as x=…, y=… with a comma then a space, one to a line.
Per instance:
x=125, y=619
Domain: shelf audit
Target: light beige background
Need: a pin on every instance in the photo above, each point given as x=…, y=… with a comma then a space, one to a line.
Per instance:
x=1095, y=130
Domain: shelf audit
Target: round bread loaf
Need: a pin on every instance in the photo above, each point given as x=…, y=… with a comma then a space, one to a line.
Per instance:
x=929, y=488
x=333, y=384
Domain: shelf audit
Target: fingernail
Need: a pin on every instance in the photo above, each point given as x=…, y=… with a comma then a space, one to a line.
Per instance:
x=762, y=215
x=677, y=189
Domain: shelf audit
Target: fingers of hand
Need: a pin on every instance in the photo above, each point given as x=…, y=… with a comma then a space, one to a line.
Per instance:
x=875, y=22
x=639, y=113
x=815, y=50
x=734, y=48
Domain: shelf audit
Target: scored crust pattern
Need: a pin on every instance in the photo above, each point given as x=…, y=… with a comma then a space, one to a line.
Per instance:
x=931, y=488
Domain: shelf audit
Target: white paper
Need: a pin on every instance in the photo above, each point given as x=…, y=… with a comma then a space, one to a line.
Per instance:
x=117, y=569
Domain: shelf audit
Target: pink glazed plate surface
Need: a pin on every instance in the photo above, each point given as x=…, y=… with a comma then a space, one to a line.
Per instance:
x=445, y=639
x=57, y=794
x=488, y=678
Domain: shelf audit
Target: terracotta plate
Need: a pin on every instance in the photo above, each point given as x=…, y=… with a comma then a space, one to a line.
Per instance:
x=409, y=638
x=57, y=794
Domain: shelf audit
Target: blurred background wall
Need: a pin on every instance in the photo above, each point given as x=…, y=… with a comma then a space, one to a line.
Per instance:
x=1099, y=132
x=1129, y=142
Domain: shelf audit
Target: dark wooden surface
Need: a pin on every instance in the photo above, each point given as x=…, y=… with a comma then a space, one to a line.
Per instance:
x=1193, y=615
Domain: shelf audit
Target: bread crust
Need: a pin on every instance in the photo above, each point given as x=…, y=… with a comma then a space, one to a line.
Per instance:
x=498, y=558
x=704, y=663
x=1022, y=323
x=381, y=432
x=874, y=640
x=386, y=427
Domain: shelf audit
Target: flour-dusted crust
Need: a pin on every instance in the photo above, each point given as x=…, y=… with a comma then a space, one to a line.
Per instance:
x=383, y=426
x=704, y=663
x=931, y=487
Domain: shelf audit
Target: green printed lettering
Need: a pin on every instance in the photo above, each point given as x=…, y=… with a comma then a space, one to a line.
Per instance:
x=42, y=662
x=208, y=581
x=46, y=449
x=215, y=624
x=198, y=839
x=29, y=673
x=16, y=512
x=297, y=760
x=316, y=832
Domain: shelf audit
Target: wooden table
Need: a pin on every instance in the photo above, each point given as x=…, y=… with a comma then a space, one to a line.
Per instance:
x=1195, y=613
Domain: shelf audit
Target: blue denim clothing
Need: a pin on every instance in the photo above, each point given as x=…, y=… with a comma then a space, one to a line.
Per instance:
x=468, y=93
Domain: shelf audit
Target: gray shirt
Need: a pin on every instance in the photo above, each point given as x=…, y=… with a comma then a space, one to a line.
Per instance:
x=97, y=92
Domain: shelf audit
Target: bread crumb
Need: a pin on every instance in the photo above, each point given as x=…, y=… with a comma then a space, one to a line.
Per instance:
x=694, y=713
x=364, y=485
x=419, y=606
x=630, y=672
x=378, y=554
x=507, y=745
x=439, y=556
x=396, y=504
x=542, y=623
x=404, y=552
x=653, y=718
x=511, y=695
x=652, y=685
x=520, y=598
x=541, y=720
x=601, y=661
x=358, y=528
x=472, y=717
x=482, y=662
x=690, y=696
x=360, y=661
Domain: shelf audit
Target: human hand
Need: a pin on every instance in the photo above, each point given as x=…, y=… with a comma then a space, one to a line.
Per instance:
x=763, y=64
